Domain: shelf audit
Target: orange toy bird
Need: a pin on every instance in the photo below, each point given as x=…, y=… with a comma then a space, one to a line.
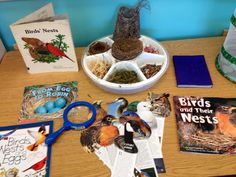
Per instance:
x=226, y=120
x=38, y=166
x=39, y=137
x=56, y=51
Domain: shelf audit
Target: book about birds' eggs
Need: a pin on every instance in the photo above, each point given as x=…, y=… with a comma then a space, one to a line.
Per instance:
x=206, y=124
x=23, y=152
x=45, y=41
x=45, y=102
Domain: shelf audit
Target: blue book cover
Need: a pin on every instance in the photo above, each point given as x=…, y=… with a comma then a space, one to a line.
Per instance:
x=22, y=150
x=192, y=71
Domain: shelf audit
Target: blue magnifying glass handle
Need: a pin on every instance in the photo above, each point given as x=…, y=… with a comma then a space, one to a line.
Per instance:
x=52, y=137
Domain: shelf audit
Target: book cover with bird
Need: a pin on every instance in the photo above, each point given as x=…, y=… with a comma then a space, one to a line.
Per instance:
x=206, y=124
x=45, y=41
x=46, y=102
x=23, y=151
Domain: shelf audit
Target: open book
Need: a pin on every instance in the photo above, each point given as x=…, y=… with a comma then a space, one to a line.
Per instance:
x=45, y=41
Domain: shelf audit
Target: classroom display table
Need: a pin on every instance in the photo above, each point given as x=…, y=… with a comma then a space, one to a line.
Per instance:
x=68, y=157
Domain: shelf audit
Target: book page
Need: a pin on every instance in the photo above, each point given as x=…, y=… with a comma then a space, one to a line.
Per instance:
x=103, y=156
x=124, y=164
x=145, y=161
x=42, y=13
x=155, y=144
x=112, y=151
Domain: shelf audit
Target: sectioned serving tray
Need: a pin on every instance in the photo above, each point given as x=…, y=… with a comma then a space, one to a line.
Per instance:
x=135, y=64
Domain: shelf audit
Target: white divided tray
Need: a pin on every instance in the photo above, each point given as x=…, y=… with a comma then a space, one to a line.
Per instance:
x=135, y=64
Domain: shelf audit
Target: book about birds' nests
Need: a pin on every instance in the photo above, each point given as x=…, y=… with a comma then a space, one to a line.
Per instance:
x=46, y=102
x=206, y=124
x=23, y=152
x=45, y=41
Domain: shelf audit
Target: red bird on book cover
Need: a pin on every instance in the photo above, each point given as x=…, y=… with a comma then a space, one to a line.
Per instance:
x=56, y=51
x=226, y=116
x=39, y=165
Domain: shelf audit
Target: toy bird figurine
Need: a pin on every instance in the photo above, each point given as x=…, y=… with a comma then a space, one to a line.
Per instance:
x=39, y=137
x=102, y=133
x=56, y=51
x=38, y=166
x=226, y=116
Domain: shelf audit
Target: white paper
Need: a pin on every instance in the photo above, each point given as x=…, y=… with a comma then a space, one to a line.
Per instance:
x=144, y=157
x=124, y=164
x=103, y=156
x=42, y=13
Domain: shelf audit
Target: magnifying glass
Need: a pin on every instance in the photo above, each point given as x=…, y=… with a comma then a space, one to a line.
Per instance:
x=68, y=125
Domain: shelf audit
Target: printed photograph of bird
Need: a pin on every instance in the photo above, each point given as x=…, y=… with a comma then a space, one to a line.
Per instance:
x=38, y=166
x=39, y=137
x=140, y=127
x=117, y=107
x=160, y=104
x=102, y=133
x=138, y=173
x=145, y=113
x=5, y=136
x=226, y=116
x=100, y=112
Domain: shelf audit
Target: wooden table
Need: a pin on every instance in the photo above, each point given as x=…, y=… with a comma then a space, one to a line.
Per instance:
x=69, y=159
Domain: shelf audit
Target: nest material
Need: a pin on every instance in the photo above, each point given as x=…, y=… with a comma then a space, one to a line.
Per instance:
x=30, y=104
x=214, y=141
x=126, y=49
x=127, y=24
x=98, y=47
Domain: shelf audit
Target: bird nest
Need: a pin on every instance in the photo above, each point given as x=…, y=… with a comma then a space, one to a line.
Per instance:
x=29, y=104
x=214, y=141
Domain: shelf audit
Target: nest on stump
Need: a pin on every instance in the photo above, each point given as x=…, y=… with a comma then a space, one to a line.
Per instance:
x=126, y=45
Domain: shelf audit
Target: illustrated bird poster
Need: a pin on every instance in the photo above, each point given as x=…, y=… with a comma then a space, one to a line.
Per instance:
x=45, y=41
x=46, y=102
x=23, y=152
x=206, y=124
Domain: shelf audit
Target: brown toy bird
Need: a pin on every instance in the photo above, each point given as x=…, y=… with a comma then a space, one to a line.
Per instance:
x=226, y=120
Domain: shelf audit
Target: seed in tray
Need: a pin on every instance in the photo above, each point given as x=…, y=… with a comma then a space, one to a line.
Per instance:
x=124, y=76
x=149, y=70
x=98, y=47
x=150, y=49
x=99, y=67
